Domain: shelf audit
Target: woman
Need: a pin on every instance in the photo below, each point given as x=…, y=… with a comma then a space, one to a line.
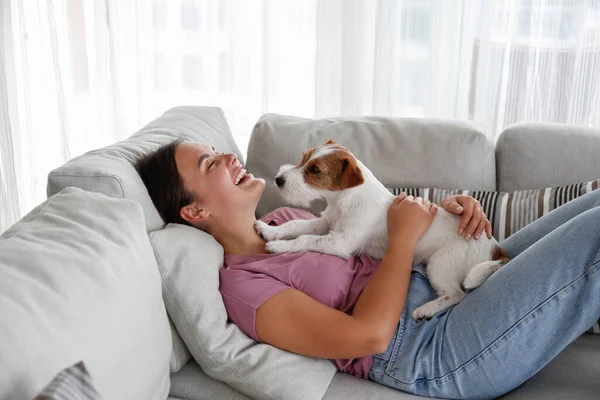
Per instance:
x=357, y=311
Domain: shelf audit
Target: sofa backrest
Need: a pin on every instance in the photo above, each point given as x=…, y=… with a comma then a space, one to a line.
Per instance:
x=111, y=170
x=401, y=152
x=541, y=155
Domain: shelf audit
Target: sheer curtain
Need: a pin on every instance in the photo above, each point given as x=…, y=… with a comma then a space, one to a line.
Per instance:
x=80, y=74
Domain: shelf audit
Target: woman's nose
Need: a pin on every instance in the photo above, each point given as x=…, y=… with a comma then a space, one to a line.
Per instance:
x=231, y=158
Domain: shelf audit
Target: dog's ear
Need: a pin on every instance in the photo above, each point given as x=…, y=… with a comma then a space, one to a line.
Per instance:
x=330, y=142
x=351, y=174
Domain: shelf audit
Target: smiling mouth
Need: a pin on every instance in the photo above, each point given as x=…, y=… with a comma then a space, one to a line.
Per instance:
x=240, y=176
x=244, y=179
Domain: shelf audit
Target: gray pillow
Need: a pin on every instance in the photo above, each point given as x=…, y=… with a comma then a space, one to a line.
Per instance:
x=534, y=155
x=189, y=261
x=78, y=281
x=111, y=170
x=401, y=152
x=180, y=354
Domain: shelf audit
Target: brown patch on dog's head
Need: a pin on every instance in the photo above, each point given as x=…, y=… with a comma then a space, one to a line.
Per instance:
x=308, y=153
x=306, y=156
x=498, y=253
x=335, y=170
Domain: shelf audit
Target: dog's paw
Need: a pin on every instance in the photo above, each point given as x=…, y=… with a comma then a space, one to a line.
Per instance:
x=279, y=246
x=423, y=313
x=265, y=231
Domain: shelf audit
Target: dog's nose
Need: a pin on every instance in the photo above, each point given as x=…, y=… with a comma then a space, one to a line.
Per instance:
x=280, y=181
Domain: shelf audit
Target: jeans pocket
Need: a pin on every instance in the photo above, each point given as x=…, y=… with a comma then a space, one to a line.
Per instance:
x=388, y=352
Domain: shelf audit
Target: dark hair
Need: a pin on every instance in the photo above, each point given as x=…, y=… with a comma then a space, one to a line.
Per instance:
x=158, y=171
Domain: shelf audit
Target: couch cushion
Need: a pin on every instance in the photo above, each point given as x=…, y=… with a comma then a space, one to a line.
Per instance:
x=401, y=152
x=539, y=155
x=572, y=375
x=189, y=261
x=111, y=170
x=191, y=383
x=78, y=282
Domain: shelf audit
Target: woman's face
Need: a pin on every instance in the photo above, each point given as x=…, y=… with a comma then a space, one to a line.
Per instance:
x=215, y=180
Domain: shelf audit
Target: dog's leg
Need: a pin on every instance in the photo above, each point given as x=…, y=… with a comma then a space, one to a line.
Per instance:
x=292, y=229
x=480, y=272
x=442, y=276
x=333, y=243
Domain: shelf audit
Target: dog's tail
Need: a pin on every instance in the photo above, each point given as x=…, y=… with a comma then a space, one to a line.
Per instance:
x=480, y=272
x=499, y=254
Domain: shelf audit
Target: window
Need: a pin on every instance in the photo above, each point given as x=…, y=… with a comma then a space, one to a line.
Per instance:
x=191, y=72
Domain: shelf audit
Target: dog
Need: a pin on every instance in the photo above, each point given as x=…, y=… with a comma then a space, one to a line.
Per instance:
x=355, y=222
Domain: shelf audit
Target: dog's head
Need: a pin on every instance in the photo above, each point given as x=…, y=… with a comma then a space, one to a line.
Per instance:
x=324, y=169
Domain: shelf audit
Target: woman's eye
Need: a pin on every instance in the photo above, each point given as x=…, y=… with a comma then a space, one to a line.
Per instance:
x=212, y=163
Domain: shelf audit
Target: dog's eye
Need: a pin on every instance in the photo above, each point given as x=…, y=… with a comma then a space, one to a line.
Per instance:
x=314, y=169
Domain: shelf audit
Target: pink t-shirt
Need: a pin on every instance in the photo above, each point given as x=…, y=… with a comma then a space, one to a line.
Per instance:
x=248, y=281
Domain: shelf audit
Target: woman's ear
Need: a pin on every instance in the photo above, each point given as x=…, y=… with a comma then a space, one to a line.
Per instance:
x=193, y=213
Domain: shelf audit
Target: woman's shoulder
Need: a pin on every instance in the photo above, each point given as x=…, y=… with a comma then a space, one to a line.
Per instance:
x=285, y=214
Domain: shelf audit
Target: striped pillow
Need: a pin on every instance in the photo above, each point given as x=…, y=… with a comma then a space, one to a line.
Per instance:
x=73, y=383
x=510, y=211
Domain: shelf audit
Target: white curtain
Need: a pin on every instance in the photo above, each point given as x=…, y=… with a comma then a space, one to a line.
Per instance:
x=80, y=74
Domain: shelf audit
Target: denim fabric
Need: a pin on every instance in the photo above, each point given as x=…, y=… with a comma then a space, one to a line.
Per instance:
x=506, y=330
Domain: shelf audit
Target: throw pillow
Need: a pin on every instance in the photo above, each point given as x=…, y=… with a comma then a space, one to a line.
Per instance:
x=73, y=383
x=78, y=280
x=510, y=211
x=189, y=261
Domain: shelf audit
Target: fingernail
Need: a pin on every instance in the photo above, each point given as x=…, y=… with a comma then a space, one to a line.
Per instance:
x=467, y=237
x=460, y=231
x=459, y=209
x=477, y=237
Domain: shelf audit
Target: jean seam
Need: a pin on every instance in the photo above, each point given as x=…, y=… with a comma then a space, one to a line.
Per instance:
x=590, y=271
x=399, y=339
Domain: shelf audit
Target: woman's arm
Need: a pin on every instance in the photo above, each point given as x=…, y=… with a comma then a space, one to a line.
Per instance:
x=295, y=322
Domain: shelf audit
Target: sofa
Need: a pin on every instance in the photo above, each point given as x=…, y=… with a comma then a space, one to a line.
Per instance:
x=182, y=346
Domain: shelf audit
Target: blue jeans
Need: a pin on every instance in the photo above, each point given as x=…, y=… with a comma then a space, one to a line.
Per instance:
x=506, y=330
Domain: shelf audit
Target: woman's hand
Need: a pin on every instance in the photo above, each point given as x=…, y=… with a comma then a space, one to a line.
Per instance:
x=473, y=221
x=409, y=218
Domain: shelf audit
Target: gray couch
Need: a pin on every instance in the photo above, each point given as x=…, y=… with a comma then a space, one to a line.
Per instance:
x=402, y=152
x=434, y=153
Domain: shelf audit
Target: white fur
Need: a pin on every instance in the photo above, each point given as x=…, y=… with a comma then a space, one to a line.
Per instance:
x=355, y=222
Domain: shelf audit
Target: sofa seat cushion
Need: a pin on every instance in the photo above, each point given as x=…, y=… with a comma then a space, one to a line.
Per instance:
x=572, y=375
